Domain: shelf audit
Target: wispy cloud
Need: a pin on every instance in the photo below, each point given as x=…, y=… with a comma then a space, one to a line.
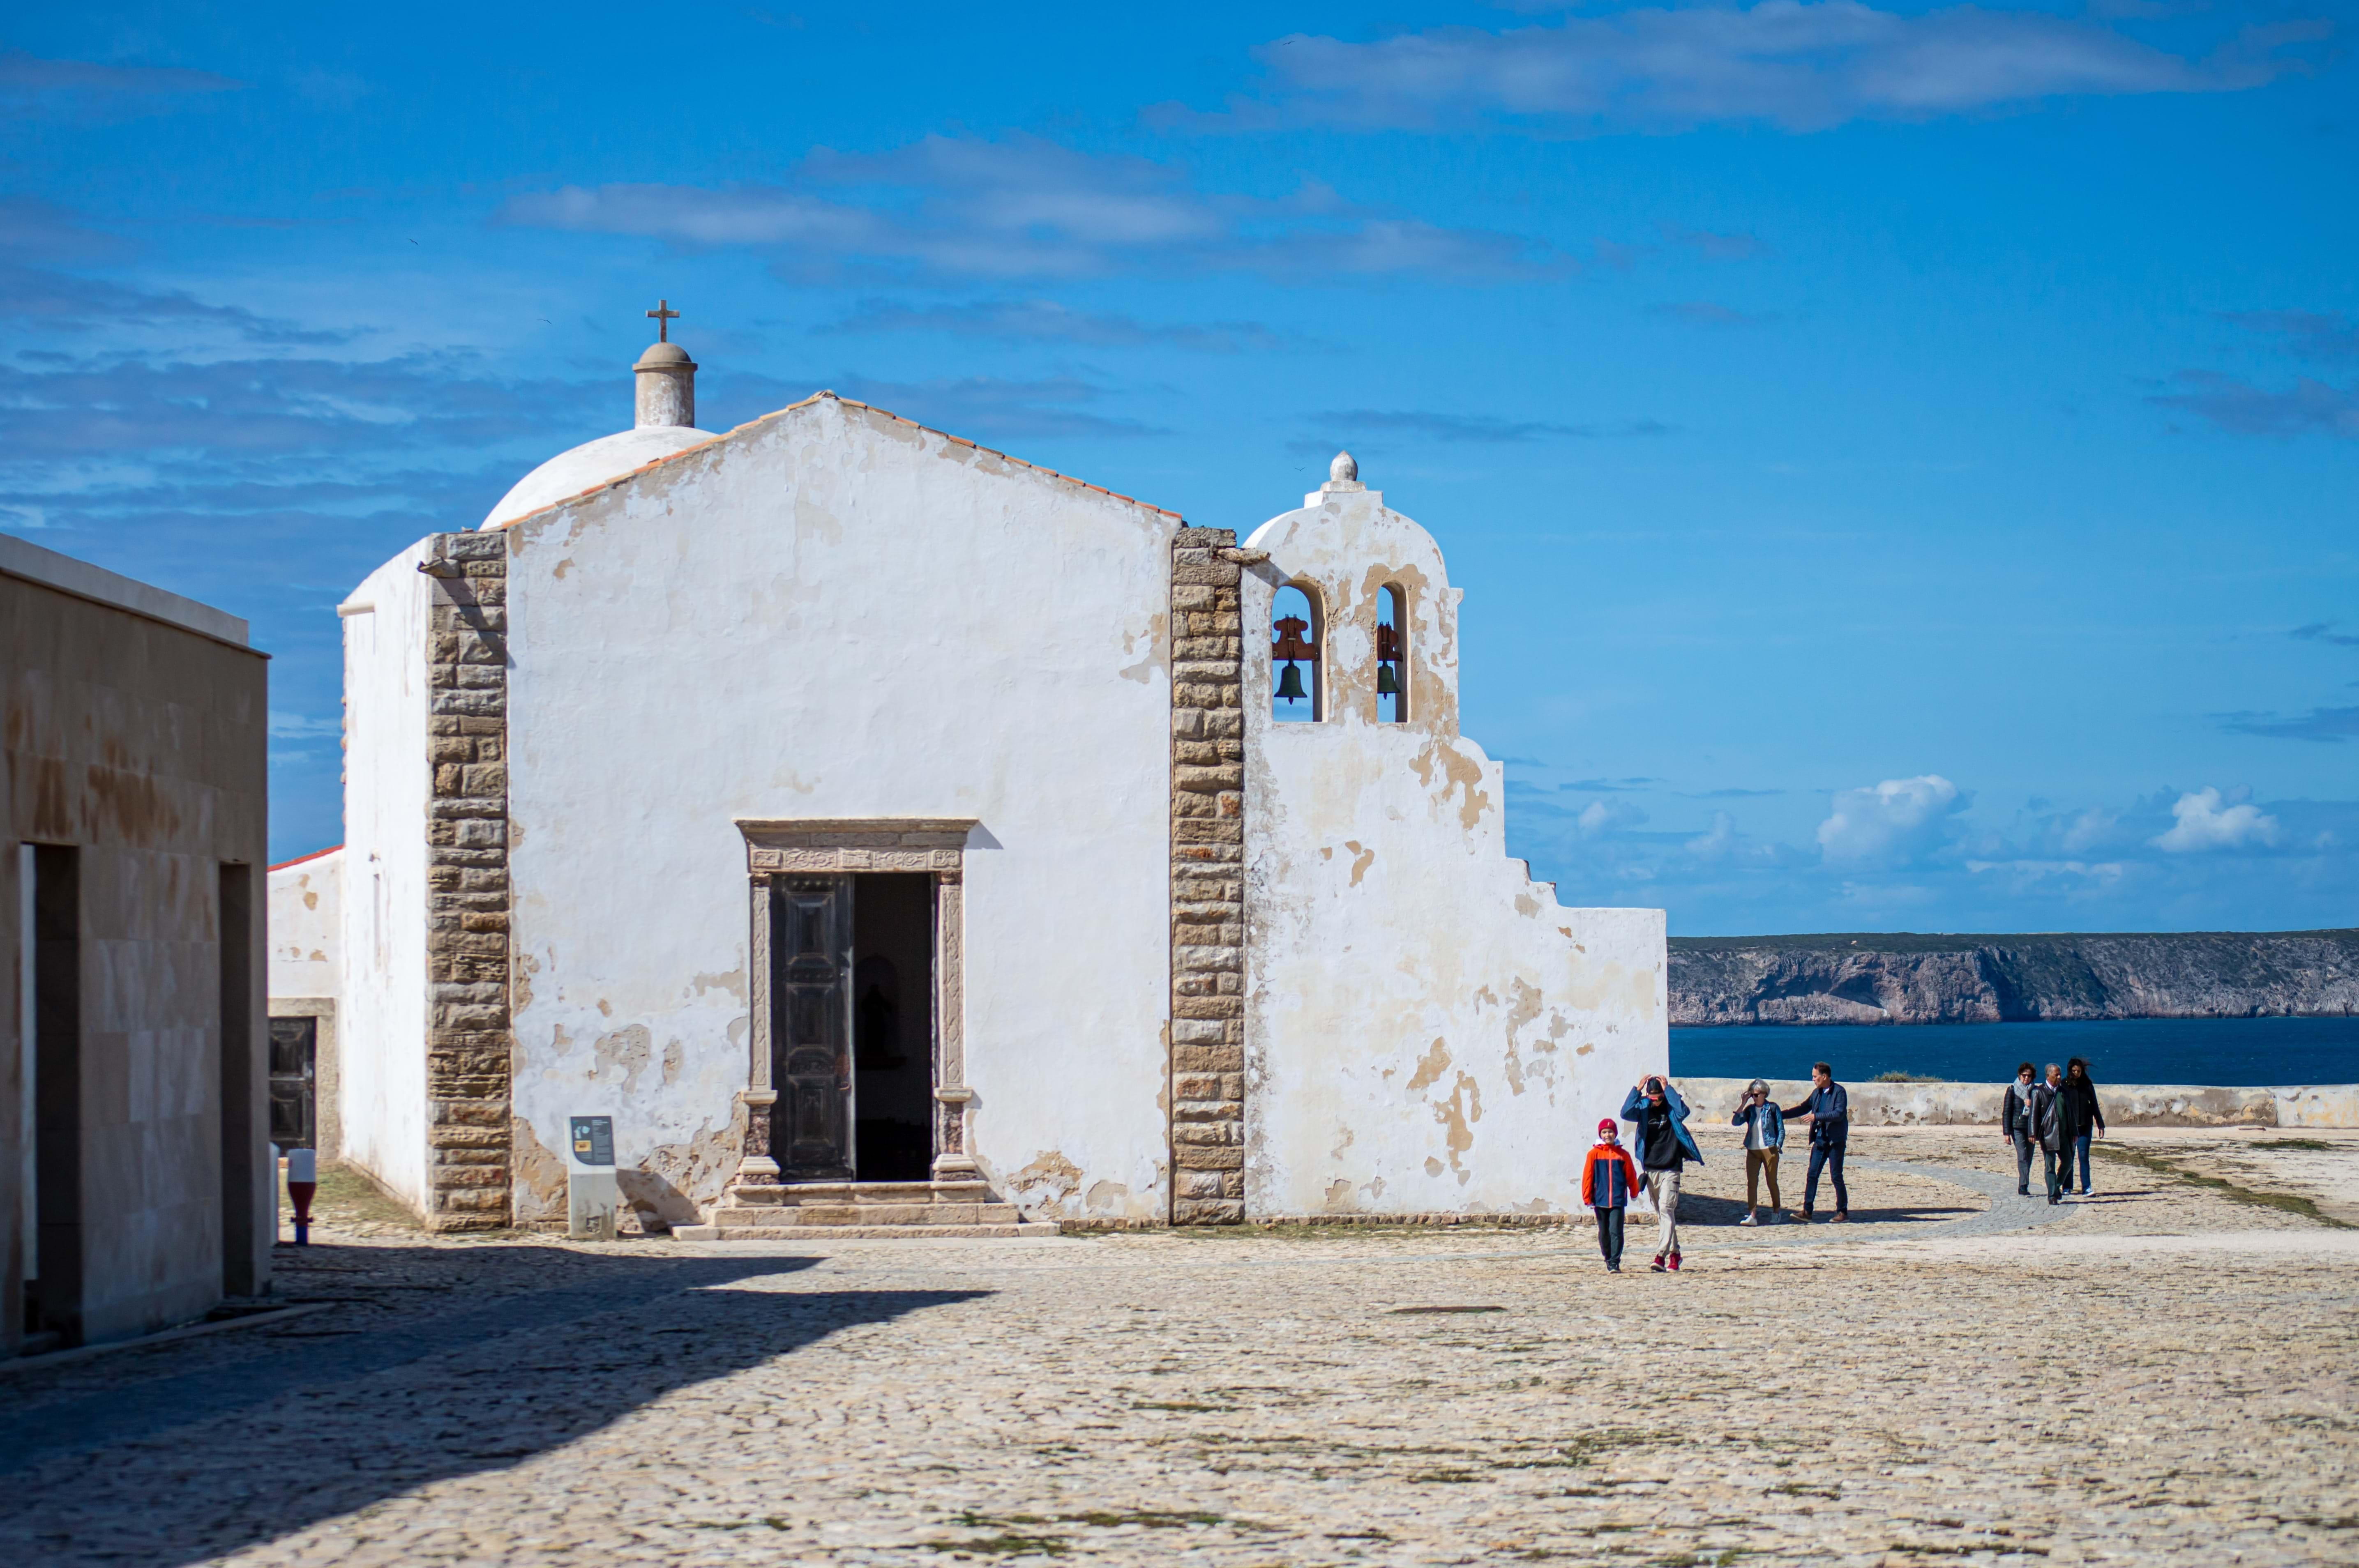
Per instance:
x=32, y=87
x=995, y=408
x=2324, y=632
x=1717, y=247
x=2304, y=332
x=1704, y=313
x=1794, y=64
x=1045, y=321
x=1020, y=207
x=63, y=301
x=2332, y=725
x=1609, y=785
x=2310, y=408
x=1476, y=429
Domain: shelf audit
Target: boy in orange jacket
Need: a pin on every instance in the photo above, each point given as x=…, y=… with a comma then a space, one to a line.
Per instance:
x=1607, y=1180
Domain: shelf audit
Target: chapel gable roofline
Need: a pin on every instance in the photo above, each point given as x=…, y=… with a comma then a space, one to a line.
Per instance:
x=849, y=403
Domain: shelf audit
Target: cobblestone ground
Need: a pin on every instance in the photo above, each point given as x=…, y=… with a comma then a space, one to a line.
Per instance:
x=2162, y=1375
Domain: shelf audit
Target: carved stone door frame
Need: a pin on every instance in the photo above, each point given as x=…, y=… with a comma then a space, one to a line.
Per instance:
x=808, y=845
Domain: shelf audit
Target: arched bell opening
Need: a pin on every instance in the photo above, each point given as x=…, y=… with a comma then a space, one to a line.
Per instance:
x=1392, y=654
x=1297, y=686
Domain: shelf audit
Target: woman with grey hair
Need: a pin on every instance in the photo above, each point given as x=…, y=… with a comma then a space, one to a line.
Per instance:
x=1764, y=1134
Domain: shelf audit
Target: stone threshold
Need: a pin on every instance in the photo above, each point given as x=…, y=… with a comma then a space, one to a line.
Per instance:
x=803, y=1210
x=1023, y=1229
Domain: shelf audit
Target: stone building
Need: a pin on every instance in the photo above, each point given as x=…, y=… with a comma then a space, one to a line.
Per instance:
x=883, y=829
x=136, y=1187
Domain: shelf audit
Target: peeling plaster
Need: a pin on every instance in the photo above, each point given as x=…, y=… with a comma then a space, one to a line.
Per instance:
x=1421, y=930
x=539, y=1173
x=626, y=1051
x=1429, y=1066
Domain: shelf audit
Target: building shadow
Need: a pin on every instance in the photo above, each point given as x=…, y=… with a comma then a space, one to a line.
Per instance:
x=164, y=1463
x=1711, y=1211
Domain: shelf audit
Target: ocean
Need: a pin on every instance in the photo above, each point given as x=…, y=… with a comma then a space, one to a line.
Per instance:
x=2279, y=1052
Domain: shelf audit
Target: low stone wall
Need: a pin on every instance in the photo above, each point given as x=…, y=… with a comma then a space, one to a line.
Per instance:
x=1713, y=1100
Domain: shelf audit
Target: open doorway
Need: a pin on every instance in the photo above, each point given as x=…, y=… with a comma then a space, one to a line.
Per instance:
x=893, y=1026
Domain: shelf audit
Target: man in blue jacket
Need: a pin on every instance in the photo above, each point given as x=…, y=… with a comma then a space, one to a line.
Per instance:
x=1664, y=1148
x=1829, y=1109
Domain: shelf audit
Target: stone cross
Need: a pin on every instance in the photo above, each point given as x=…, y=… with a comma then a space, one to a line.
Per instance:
x=664, y=316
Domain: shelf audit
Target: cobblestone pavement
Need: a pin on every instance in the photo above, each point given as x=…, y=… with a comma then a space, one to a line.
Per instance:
x=2162, y=1375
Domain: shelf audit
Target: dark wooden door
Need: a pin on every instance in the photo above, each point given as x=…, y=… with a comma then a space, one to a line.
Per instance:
x=811, y=1027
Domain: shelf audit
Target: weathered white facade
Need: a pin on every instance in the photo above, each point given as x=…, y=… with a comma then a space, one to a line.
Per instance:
x=835, y=614
x=1429, y=1031
x=611, y=760
x=307, y=926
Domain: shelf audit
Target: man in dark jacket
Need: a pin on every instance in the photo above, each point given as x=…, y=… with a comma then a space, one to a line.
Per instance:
x=2047, y=1127
x=1665, y=1149
x=1829, y=1109
x=2083, y=1119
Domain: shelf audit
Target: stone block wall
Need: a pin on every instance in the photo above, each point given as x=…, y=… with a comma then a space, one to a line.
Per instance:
x=468, y=1061
x=1208, y=912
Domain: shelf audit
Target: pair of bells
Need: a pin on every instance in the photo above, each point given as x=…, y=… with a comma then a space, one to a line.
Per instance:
x=1289, y=682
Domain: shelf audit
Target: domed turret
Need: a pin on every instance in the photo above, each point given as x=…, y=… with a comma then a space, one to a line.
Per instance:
x=665, y=402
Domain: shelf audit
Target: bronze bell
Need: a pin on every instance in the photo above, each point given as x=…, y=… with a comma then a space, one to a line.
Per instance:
x=1385, y=685
x=1290, y=683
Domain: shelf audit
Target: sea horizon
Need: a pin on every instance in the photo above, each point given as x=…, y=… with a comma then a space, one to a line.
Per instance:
x=2201, y=1051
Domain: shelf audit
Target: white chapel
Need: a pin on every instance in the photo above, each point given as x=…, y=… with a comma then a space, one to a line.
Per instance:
x=884, y=831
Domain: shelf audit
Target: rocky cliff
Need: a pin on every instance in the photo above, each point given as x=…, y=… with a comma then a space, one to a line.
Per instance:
x=1907, y=978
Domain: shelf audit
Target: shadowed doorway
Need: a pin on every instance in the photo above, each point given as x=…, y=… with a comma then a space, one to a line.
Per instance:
x=893, y=1026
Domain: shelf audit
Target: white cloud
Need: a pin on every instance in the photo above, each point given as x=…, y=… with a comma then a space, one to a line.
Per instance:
x=2206, y=821
x=2091, y=829
x=296, y=727
x=1717, y=844
x=1893, y=823
x=1023, y=207
x=1791, y=63
x=1605, y=816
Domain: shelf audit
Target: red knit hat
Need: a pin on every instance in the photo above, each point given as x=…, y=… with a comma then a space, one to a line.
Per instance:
x=1607, y=1124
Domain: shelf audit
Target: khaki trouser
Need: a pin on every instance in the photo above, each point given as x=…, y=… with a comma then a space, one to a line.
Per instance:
x=1663, y=1187
x=1760, y=1162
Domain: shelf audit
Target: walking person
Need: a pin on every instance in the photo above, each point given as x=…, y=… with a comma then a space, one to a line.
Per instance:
x=1764, y=1134
x=1607, y=1181
x=1665, y=1148
x=2084, y=1119
x=2047, y=1127
x=2014, y=1124
x=1829, y=1109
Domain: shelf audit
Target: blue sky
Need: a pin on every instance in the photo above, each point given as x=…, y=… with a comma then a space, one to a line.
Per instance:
x=1901, y=461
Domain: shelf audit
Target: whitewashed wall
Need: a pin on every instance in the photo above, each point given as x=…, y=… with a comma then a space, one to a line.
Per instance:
x=306, y=917
x=382, y=1026
x=1427, y=1031
x=833, y=613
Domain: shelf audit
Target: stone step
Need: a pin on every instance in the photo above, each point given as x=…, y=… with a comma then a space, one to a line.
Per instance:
x=796, y=1194
x=1028, y=1230
x=815, y=1215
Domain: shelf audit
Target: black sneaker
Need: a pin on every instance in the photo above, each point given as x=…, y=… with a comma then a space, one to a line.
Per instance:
x=2023, y=1192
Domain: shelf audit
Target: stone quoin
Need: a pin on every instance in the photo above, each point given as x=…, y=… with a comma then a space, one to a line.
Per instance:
x=886, y=831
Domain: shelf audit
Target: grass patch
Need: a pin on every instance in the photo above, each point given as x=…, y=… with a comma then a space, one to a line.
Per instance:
x=346, y=1197
x=1001, y=1545
x=2284, y=1203
x=2306, y=1145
